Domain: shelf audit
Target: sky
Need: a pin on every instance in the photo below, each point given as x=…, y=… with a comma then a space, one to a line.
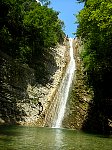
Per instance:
x=67, y=9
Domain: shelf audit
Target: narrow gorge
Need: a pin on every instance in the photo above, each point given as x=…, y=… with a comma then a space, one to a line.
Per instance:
x=24, y=101
x=55, y=75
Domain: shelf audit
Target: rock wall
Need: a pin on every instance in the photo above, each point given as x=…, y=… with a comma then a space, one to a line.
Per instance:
x=80, y=95
x=22, y=99
x=62, y=59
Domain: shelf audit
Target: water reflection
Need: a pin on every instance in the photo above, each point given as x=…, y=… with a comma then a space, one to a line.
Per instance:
x=33, y=138
x=59, y=139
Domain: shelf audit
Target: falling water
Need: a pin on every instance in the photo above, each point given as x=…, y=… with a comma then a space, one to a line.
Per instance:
x=64, y=88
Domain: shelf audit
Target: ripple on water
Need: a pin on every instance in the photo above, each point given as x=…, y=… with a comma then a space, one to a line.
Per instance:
x=33, y=138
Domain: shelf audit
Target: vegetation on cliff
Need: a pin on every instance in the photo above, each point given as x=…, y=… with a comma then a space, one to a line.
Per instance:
x=30, y=62
x=28, y=30
x=95, y=30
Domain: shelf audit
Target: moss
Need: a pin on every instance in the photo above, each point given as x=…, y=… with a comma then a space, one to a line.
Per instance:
x=79, y=97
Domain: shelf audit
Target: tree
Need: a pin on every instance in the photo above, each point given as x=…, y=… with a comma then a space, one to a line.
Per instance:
x=45, y=2
x=80, y=1
x=95, y=30
x=28, y=32
x=28, y=29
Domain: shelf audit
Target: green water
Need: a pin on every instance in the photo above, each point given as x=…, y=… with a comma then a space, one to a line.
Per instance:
x=33, y=138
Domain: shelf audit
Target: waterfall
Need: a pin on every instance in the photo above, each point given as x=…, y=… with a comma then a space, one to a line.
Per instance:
x=64, y=88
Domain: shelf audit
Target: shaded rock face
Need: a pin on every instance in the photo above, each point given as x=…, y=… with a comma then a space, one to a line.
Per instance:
x=62, y=60
x=23, y=100
x=14, y=80
x=85, y=110
x=80, y=95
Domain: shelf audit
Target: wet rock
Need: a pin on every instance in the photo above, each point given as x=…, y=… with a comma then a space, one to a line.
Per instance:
x=22, y=99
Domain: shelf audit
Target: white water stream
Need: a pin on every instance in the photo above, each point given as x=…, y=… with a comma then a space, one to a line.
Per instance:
x=64, y=88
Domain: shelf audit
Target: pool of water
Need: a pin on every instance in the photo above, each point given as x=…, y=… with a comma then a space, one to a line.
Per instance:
x=34, y=138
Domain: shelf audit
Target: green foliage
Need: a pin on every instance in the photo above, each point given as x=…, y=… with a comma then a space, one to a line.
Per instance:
x=80, y=1
x=28, y=29
x=95, y=30
x=28, y=32
x=45, y=2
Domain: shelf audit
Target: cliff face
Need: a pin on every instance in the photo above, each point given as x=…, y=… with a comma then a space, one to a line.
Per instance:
x=80, y=95
x=23, y=100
